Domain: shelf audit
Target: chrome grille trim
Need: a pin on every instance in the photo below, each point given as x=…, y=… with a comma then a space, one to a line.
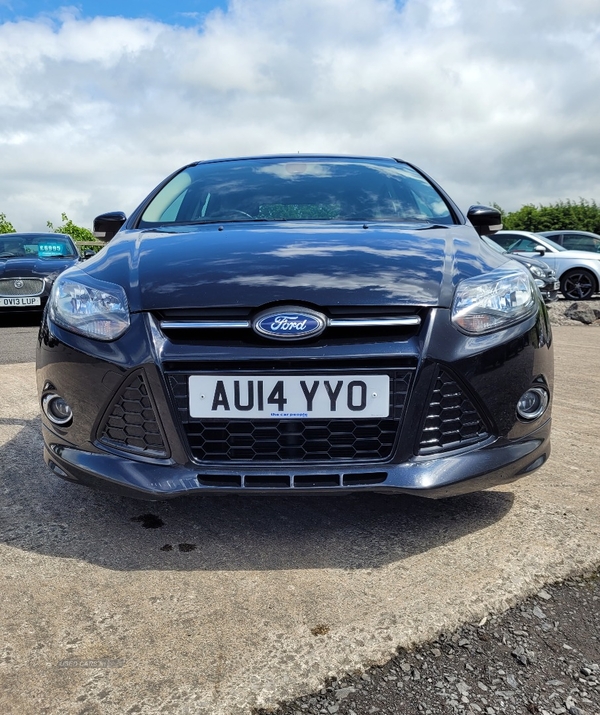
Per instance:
x=373, y=322
x=30, y=287
x=411, y=320
x=203, y=324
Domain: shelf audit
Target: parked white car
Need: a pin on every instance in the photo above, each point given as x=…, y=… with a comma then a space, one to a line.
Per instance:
x=577, y=271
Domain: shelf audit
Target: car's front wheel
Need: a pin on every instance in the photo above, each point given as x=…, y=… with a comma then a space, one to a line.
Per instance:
x=578, y=284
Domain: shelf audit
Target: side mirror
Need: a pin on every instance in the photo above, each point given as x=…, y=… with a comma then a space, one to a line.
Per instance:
x=485, y=219
x=540, y=249
x=88, y=253
x=107, y=225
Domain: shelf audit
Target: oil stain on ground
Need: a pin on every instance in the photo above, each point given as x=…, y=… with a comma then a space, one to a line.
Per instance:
x=185, y=548
x=149, y=521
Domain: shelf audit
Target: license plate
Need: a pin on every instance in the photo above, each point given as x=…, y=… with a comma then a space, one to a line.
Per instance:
x=289, y=396
x=19, y=302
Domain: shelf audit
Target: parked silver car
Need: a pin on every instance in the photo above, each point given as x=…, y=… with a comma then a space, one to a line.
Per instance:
x=577, y=271
x=574, y=240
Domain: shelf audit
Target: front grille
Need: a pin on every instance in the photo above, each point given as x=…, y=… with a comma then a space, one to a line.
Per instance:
x=272, y=441
x=10, y=287
x=452, y=420
x=130, y=422
x=234, y=325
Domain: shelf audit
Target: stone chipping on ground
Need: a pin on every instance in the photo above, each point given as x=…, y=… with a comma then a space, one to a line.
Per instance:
x=541, y=657
x=568, y=312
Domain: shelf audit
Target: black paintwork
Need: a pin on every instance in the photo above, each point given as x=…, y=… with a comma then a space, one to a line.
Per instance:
x=324, y=263
x=237, y=268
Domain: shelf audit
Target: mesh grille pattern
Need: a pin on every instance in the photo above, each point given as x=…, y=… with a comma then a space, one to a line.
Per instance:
x=30, y=286
x=131, y=422
x=452, y=420
x=293, y=440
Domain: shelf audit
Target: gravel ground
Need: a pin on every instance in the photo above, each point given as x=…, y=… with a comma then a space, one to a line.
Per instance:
x=541, y=657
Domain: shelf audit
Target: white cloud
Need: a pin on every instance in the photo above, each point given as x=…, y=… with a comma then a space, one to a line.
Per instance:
x=498, y=101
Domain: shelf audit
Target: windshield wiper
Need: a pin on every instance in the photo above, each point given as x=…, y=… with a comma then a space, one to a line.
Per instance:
x=221, y=219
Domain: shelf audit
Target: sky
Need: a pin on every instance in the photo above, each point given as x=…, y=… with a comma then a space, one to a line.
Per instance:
x=184, y=12
x=497, y=100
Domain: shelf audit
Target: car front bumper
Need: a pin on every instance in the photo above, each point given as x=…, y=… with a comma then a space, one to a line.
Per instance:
x=435, y=478
x=461, y=389
x=550, y=290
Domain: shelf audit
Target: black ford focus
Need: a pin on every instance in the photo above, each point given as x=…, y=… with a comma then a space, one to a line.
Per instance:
x=296, y=324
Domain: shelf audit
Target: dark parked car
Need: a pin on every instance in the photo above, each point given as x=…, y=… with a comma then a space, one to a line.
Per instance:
x=296, y=324
x=575, y=240
x=577, y=271
x=543, y=276
x=29, y=264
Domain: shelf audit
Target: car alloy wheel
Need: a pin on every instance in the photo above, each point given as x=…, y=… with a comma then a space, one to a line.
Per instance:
x=578, y=285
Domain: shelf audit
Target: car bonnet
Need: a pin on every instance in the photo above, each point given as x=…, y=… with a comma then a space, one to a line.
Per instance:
x=34, y=267
x=321, y=263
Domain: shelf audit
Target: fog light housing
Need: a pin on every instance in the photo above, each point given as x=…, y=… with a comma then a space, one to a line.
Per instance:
x=533, y=403
x=57, y=409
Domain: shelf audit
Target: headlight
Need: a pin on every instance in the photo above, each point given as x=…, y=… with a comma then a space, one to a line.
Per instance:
x=97, y=310
x=494, y=301
x=537, y=271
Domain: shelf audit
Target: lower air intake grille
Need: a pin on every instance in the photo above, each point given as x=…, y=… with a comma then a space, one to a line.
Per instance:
x=452, y=420
x=130, y=422
x=275, y=441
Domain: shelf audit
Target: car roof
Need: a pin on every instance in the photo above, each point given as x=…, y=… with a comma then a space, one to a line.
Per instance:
x=291, y=157
x=568, y=230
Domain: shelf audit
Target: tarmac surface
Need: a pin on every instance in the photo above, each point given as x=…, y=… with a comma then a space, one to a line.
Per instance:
x=540, y=657
x=216, y=606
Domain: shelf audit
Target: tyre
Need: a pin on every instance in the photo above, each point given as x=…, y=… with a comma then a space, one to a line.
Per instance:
x=578, y=284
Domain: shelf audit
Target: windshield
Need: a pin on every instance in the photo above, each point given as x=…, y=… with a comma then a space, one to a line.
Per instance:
x=297, y=189
x=36, y=246
x=492, y=244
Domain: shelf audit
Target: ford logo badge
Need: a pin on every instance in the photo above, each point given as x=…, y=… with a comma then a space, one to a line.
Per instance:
x=289, y=323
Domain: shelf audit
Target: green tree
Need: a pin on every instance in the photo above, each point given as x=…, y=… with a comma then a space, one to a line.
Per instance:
x=5, y=225
x=77, y=233
x=570, y=215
